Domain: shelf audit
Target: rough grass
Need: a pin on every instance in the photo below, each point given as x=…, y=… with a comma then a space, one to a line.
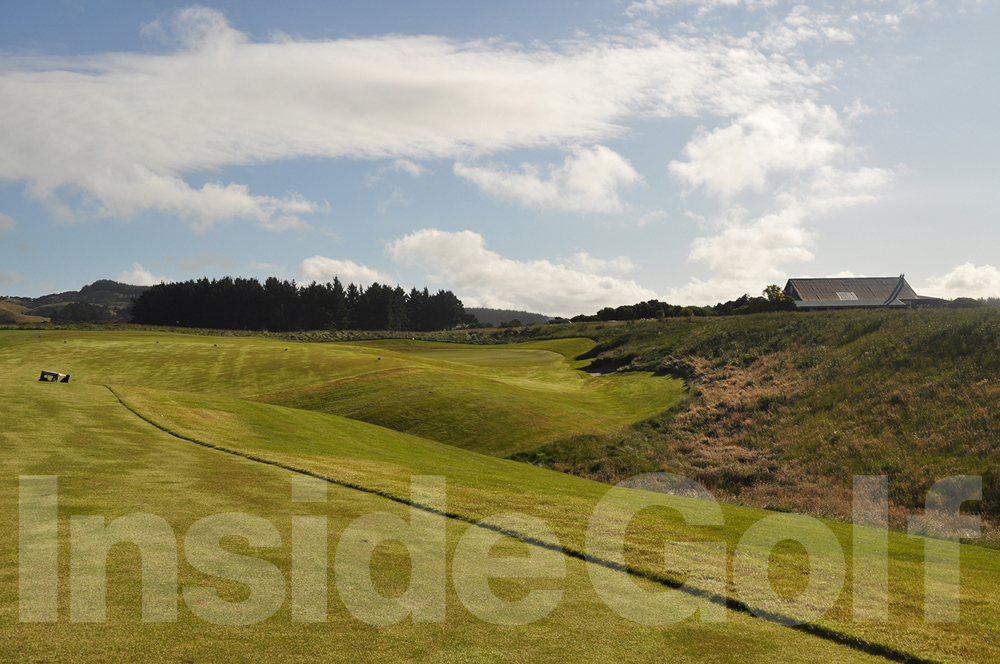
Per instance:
x=788, y=407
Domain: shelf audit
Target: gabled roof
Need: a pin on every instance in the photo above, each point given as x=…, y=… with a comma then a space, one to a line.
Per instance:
x=850, y=292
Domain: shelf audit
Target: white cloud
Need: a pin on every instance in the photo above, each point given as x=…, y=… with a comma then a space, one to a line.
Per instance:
x=270, y=269
x=806, y=144
x=140, y=276
x=656, y=6
x=587, y=181
x=966, y=280
x=746, y=255
x=485, y=278
x=395, y=198
x=323, y=270
x=331, y=233
x=650, y=217
x=587, y=263
x=802, y=25
x=408, y=166
x=125, y=129
x=791, y=138
x=832, y=187
x=7, y=224
x=399, y=165
x=10, y=277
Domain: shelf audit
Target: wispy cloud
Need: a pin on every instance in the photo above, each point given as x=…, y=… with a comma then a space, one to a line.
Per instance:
x=408, y=166
x=396, y=197
x=126, y=129
x=288, y=222
x=264, y=269
x=7, y=224
x=485, y=278
x=10, y=278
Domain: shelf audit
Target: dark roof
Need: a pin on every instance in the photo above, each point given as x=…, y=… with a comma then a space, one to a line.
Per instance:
x=852, y=291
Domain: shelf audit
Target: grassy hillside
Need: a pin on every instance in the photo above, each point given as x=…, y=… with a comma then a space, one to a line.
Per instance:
x=105, y=295
x=786, y=408
x=14, y=312
x=111, y=461
x=500, y=400
x=497, y=400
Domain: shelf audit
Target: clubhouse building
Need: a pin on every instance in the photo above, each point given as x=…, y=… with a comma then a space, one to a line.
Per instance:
x=857, y=293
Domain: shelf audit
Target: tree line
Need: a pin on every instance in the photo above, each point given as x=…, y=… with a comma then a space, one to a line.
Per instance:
x=772, y=299
x=283, y=306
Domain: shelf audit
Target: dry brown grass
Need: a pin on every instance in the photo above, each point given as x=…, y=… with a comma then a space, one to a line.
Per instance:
x=784, y=410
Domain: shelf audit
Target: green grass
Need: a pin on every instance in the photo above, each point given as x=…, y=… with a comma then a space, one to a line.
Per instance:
x=382, y=462
x=111, y=463
x=498, y=400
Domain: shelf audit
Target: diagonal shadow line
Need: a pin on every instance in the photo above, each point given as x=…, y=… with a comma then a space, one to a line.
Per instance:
x=825, y=632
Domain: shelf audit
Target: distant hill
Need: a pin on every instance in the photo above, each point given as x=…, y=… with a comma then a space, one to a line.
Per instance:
x=497, y=316
x=106, y=300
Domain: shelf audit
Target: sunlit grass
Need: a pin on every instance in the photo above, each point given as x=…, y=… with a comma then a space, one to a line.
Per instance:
x=111, y=463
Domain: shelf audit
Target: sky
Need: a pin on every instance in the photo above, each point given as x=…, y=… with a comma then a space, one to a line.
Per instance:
x=557, y=156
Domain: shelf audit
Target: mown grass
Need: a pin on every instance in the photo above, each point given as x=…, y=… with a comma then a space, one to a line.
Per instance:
x=499, y=400
x=480, y=486
x=111, y=463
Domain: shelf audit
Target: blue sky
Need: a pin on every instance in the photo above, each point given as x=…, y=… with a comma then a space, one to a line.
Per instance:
x=557, y=156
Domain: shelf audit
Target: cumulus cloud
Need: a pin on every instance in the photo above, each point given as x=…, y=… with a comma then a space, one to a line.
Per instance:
x=140, y=276
x=746, y=255
x=792, y=138
x=485, y=278
x=323, y=270
x=6, y=223
x=803, y=142
x=587, y=181
x=126, y=129
x=966, y=280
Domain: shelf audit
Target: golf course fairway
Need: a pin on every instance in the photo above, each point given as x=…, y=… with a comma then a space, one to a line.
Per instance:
x=185, y=427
